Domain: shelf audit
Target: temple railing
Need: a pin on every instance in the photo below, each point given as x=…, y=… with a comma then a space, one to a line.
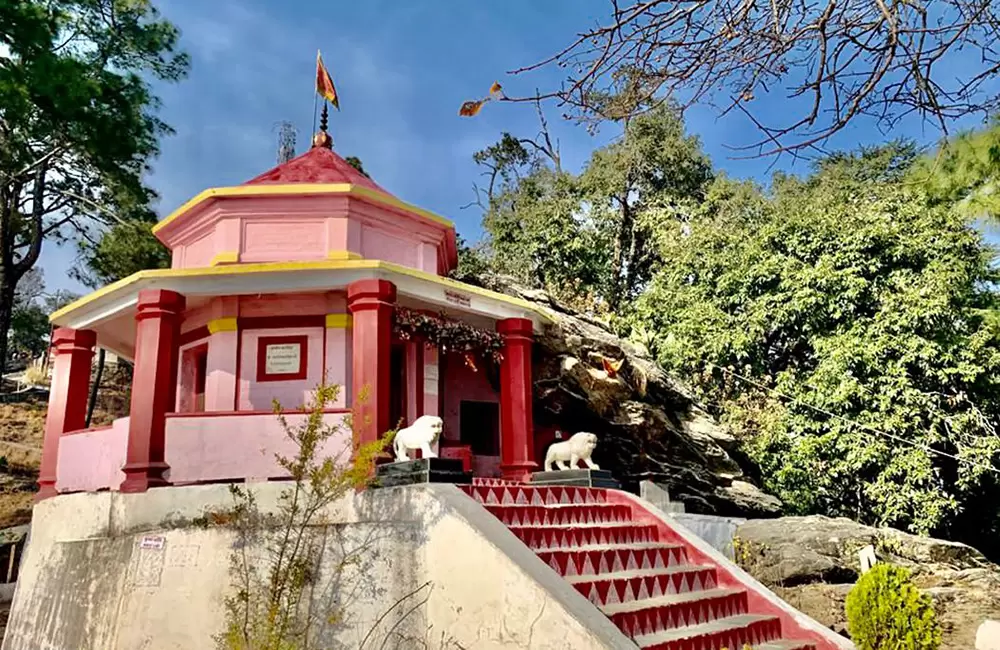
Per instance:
x=209, y=447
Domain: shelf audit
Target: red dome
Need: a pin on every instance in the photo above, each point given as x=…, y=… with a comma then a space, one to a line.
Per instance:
x=318, y=165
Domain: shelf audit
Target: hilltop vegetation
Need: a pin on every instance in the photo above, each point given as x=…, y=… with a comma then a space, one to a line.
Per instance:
x=842, y=323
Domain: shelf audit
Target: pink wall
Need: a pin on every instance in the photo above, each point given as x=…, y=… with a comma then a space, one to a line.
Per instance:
x=92, y=460
x=281, y=238
x=304, y=228
x=216, y=448
x=292, y=394
x=338, y=363
x=200, y=448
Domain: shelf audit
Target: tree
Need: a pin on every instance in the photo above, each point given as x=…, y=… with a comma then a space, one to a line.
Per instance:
x=843, y=324
x=589, y=235
x=964, y=172
x=77, y=127
x=654, y=165
x=840, y=60
x=30, y=329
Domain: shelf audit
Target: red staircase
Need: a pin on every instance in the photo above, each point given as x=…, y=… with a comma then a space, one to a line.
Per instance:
x=660, y=592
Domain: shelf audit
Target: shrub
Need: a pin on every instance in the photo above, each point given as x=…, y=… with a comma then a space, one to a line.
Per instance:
x=886, y=611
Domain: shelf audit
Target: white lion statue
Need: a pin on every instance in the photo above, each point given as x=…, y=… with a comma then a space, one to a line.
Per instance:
x=423, y=433
x=579, y=447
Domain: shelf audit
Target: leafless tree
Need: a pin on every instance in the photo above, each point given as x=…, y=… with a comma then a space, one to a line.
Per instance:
x=840, y=59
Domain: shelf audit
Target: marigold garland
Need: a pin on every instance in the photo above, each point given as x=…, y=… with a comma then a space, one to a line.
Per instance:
x=447, y=335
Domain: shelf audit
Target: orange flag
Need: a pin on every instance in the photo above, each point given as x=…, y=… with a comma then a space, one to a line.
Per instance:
x=324, y=84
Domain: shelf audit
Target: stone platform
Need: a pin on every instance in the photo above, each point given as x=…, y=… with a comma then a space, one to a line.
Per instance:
x=420, y=471
x=598, y=478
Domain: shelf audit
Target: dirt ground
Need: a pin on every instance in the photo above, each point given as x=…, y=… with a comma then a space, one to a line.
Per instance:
x=22, y=428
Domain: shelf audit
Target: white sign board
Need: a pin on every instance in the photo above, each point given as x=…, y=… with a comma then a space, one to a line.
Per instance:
x=152, y=542
x=283, y=358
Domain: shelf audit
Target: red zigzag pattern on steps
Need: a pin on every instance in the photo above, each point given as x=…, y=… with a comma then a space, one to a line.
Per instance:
x=646, y=585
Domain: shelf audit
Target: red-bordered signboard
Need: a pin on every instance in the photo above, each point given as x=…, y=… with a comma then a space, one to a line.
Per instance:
x=282, y=358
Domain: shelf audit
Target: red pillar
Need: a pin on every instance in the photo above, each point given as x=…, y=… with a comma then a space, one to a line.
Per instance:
x=72, y=351
x=371, y=303
x=154, y=387
x=516, y=424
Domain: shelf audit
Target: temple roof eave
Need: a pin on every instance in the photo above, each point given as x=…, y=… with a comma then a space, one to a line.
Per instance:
x=192, y=207
x=111, y=302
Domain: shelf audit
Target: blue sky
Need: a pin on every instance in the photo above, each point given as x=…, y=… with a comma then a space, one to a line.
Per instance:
x=402, y=70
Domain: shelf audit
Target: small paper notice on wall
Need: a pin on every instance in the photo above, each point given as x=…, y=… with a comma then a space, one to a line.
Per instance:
x=283, y=358
x=152, y=542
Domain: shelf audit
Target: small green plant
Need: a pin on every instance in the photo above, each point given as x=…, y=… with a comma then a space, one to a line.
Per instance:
x=276, y=556
x=886, y=611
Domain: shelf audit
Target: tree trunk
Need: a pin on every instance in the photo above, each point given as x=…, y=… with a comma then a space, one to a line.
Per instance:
x=6, y=314
x=92, y=401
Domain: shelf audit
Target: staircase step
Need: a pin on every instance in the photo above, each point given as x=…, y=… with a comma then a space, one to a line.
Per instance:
x=783, y=644
x=626, y=586
x=651, y=615
x=732, y=633
x=547, y=537
x=564, y=515
x=611, y=559
x=514, y=494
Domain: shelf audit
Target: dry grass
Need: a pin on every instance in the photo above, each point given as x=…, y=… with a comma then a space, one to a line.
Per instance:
x=22, y=429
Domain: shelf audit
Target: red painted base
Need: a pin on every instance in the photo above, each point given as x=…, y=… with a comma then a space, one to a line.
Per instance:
x=139, y=477
x=45, y=490
x=518, y=472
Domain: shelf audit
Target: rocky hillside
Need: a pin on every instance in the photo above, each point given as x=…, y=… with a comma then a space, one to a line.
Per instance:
x=648, y=424
x=650, y=427
x=812, y=562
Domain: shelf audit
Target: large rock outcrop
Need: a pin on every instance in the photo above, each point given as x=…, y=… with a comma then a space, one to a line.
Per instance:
x=812, y=562
x=649, y=425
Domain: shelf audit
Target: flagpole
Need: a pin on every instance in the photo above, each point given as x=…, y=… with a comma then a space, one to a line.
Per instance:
x=315, y=94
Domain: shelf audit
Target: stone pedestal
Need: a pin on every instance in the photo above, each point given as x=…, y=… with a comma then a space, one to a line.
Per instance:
x=598, y=478
x=423, y=470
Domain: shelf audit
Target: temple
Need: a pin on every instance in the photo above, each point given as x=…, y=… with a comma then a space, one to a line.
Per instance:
x=308, y=273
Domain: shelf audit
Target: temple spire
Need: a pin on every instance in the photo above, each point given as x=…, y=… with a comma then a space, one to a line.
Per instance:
x=322, y=138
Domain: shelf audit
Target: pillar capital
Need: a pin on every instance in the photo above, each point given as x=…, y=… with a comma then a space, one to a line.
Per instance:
x=159, y=303
x=66, y=340
x=370, y=293
x=72, y=351
x=516, y=328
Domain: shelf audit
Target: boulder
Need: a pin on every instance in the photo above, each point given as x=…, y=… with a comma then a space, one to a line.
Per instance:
x=988, y=636
x=648, y=423
x=812, y=562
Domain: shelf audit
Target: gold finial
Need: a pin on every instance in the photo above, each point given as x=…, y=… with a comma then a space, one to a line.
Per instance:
x=322, y=138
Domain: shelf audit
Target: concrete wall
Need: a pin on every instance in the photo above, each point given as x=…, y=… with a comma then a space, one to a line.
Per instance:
x=717, y=531
x=112, y=571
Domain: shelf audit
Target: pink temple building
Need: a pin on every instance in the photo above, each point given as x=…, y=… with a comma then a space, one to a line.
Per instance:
x=276, y=285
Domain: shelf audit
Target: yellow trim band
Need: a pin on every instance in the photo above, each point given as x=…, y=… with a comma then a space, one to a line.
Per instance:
x=291, y=267
x=300, y=189
x=225, y=257
x=222, y=325
x=343, y=255
x=339, y=321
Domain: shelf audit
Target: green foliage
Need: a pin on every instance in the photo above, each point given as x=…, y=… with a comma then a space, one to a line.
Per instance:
x=591, y=236
x=965, y=172
x=275, y=560
x=885, y=610
x=78, y=122
x=122, y=250
x=355, y=162
x=848, y=299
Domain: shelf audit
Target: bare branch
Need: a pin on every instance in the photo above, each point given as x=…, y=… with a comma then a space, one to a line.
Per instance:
x=877, y=59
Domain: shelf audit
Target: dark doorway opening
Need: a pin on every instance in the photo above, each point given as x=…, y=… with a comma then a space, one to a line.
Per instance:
x=479, y=424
